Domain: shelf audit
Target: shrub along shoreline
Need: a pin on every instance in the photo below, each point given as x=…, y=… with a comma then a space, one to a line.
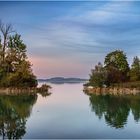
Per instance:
x=25, y=90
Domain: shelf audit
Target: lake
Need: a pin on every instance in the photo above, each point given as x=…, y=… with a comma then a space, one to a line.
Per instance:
x=69, y=113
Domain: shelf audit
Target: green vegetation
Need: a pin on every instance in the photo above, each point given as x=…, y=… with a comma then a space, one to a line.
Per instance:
x=135, y=70
x=131, y=84
x=98, y=76
x=116, y=71
x=116, y=66
x=15, y=69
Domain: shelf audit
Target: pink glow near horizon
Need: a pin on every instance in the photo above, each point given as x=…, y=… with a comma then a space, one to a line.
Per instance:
x=52, y=67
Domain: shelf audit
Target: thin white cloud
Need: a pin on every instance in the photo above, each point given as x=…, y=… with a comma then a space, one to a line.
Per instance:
x=65, y=32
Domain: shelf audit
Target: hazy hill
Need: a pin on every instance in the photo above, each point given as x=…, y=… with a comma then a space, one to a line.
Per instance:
x=63, y=80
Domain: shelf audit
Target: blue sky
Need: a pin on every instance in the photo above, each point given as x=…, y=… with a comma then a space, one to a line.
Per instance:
x=69, y=38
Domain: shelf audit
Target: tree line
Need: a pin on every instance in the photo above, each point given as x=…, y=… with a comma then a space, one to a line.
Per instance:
x=15, y=69
x=115, y=70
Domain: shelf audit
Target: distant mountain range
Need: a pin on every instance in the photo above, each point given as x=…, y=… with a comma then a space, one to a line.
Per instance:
x=60, y=80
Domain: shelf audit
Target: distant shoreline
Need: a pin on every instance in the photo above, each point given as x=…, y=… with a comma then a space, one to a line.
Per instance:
x=62, y=80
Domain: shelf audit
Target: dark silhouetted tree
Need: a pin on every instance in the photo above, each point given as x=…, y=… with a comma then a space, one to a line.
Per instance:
x=117, y=67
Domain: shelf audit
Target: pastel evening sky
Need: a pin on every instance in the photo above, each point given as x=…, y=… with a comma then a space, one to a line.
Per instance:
x=69, y=38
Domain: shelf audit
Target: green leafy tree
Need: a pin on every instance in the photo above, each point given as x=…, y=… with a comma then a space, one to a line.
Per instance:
x=117, y=67
x=135, y=70
x=97, y=76
x=15, y=69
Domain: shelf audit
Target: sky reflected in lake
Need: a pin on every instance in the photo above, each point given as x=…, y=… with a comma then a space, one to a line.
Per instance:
x=69, y=113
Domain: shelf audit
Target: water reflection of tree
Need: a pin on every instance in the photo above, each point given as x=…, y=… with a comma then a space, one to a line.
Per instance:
x=115, y=109
x=14, y=111
x=135, y=108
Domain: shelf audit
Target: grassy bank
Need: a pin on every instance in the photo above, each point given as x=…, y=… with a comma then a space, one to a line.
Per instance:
x=127, y=88
x=24, y=90
x=135, y=84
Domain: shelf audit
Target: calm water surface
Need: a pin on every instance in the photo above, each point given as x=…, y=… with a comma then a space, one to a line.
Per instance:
x=69, y=113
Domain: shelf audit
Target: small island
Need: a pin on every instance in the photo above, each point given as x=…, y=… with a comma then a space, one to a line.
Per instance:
x=115, y=76
x=16, y=74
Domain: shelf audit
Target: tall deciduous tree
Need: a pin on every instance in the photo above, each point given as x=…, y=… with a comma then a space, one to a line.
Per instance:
x=6, y=30
x=117, y=66
x=15, y=69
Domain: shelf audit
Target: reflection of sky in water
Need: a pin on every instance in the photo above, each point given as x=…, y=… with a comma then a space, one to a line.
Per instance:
x=67, y=114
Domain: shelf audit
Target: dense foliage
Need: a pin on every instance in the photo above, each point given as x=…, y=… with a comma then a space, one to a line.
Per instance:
x=115, y=70
x=98, y=76
x=135, y=69
x=15, y=69
x=117, y=67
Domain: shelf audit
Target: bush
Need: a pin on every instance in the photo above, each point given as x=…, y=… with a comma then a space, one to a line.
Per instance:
x=97, y=76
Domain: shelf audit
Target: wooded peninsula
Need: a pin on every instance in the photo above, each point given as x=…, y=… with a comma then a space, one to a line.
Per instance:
x=115, y=76
x=16, y=74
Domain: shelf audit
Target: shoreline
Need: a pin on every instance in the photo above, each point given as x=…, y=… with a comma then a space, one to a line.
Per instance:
x=26, y=90
x=112, y=91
